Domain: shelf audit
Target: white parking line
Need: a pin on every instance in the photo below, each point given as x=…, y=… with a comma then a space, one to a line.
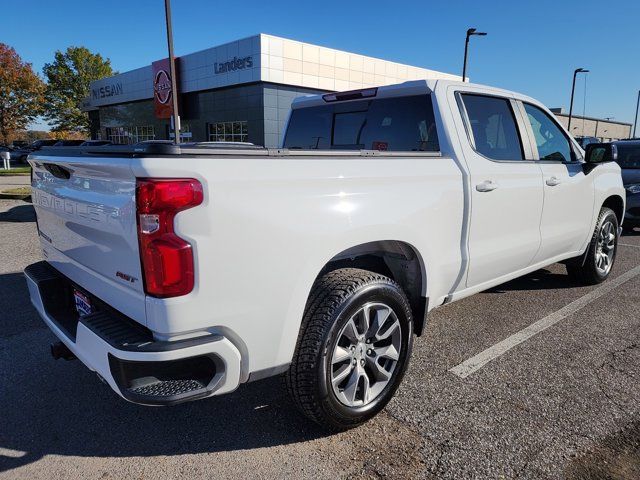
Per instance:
x=469, y=366
x=629, y=245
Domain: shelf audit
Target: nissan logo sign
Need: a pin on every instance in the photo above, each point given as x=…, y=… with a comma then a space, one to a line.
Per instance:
x=162, y=87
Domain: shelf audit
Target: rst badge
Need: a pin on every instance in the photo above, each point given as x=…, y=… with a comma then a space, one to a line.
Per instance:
x=126, y=277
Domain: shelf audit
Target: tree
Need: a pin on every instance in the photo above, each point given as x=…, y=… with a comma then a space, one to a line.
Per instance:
x=27, y=136
x=68, y=79
x=21, y=93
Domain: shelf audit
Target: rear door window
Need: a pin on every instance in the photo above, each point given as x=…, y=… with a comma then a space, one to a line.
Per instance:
x=493, y=125
x=394, y=124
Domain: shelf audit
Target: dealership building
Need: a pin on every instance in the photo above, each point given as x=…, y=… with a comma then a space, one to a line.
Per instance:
x=604, y=129
x=239, y=91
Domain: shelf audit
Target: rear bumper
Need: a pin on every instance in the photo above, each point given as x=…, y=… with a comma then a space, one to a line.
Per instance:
x=125, y=354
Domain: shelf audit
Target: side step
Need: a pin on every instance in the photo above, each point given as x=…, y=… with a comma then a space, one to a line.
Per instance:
x=168, y=388
x=167, y=382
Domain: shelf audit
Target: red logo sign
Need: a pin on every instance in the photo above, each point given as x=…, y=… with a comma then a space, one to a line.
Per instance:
x=162, y=89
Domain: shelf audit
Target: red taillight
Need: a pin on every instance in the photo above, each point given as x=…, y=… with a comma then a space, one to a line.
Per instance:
x=167, y=259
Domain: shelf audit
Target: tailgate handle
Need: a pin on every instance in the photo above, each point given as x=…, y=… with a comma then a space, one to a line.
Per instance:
x=57, y=171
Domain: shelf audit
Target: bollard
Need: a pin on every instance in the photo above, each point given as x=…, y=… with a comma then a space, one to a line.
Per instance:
x=6, y=162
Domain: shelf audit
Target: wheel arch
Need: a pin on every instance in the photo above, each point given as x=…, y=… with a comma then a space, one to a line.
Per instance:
x=395, y=259
x=615, y=203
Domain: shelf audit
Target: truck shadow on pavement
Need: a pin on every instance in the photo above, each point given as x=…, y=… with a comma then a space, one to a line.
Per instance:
x=543, y=279
x=63, y=409
x=19, y=213
x=50, y=407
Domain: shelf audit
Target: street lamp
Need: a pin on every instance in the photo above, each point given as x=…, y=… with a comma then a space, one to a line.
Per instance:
x=635, y=122
x=172, y=72
x=470, y=32
x=573, y=88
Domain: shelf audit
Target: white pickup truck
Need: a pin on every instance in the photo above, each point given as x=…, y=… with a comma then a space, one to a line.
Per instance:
x=180, y=272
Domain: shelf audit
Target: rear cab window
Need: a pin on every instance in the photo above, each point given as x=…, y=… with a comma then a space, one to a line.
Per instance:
x=398, y=124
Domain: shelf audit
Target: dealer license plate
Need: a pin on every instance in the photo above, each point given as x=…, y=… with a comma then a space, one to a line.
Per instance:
x=83, y=304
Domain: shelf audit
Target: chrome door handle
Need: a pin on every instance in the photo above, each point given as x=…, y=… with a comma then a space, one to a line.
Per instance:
x=487, y=186
x=553, y=181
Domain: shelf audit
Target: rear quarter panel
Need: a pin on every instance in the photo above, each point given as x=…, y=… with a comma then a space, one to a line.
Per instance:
x=268, y=226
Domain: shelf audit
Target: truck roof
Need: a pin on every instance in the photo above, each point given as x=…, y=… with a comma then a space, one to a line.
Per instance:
x=412, y=87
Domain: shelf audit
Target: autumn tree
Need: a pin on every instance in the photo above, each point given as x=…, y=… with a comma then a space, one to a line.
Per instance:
x=68, y=79
x=21, y=93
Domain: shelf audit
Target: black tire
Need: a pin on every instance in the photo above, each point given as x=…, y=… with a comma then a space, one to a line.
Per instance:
x=334, y=299
x=584, y=269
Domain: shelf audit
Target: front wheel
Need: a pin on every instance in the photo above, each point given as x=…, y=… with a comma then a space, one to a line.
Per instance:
x=353, y=349
x=595, y=266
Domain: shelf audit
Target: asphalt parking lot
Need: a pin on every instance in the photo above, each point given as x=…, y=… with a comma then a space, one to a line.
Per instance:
x=564, y=403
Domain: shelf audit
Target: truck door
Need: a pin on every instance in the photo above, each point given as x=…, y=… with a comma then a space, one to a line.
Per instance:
x=505, y=188
x=568, y=192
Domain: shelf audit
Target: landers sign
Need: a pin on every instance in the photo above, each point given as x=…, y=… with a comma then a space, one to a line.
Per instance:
x=162, y=93
x=232, y=65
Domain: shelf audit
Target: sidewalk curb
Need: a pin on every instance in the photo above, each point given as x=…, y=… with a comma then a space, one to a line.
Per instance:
x=15, y=196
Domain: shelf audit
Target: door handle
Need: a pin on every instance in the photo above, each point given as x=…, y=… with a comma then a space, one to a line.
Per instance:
x=486, y=186
x=553, y=181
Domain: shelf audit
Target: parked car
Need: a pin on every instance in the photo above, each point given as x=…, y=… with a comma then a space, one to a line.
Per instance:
x=628, y=157
x=95, y=143
x=584, y=141
x=176, y=278
x=68, y=143
x=21, y=154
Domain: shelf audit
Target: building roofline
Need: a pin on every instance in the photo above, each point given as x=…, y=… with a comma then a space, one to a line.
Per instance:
x=595, y=119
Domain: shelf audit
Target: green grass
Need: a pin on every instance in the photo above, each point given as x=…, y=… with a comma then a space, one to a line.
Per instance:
x=16, y=171
x=26, y=191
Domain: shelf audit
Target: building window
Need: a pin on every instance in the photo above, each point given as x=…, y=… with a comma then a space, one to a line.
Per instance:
x=129, y=135
x=228, y=132
x=185, y=133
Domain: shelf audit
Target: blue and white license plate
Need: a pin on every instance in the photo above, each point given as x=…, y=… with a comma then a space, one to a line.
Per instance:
x=83, y=304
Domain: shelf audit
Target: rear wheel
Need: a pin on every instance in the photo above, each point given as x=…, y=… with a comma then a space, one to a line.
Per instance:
x=353, y=349
x=595, y=266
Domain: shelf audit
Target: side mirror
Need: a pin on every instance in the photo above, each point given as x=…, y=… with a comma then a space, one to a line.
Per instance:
x=601, y=153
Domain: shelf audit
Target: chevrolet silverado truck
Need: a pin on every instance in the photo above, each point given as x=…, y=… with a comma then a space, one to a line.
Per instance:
x=179, y=272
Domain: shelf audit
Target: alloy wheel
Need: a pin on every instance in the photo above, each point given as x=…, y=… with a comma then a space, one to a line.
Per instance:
x=366, y=354
x=605, y=247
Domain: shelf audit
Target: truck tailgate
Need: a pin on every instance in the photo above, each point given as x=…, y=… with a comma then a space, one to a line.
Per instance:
x=86, y=215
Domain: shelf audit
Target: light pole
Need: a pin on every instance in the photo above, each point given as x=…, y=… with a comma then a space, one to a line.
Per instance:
x=470, y=32
x=635, y=122
x=172, y=72
x=573, y=89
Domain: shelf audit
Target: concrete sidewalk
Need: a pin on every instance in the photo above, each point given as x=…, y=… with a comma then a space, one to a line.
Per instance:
x=14, y=181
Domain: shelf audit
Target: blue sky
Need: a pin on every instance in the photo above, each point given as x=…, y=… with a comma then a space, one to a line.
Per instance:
x=532, y=46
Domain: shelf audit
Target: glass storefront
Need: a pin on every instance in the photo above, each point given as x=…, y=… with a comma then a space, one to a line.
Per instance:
x=130, y=134
x=254, y=113
x=228, y=132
